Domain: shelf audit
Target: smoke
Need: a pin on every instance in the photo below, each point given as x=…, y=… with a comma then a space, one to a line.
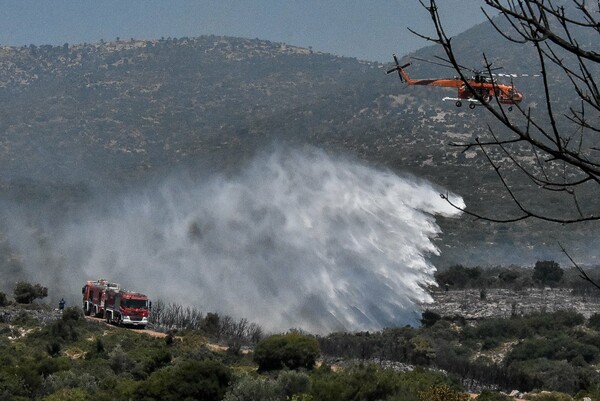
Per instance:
x=295, y=239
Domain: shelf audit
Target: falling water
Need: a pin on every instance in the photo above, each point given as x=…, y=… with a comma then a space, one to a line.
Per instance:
x=296, y=239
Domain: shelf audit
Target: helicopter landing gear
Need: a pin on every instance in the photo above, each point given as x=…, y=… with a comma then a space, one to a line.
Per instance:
x=458, y=103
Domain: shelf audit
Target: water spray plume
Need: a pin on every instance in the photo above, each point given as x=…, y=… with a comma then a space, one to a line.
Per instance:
x=296, y=239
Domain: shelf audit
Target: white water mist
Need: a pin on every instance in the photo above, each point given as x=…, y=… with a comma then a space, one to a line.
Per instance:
x=296, y=239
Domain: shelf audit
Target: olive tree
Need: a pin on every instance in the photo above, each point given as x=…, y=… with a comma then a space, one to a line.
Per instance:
x=25, y=292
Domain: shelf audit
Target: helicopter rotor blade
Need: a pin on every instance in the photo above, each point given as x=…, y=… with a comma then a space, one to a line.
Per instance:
x=432, y=62
x=449, y=64
x=486, y=71
x=513, y=75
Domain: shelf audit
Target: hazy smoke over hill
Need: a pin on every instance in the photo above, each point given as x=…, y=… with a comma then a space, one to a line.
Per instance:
x=296, y=239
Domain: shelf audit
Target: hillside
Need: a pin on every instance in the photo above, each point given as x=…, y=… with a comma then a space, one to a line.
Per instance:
x=79, y=119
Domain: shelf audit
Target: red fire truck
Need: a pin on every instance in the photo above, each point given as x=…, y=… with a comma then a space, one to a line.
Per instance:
x=104, y=299
x=94, y=296
x=126, y=307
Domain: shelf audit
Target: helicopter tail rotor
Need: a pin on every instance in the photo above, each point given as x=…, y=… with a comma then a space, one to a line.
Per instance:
x=398, y=68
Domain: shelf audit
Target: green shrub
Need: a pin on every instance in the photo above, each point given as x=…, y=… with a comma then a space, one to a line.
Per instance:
x=292, y=351
x=411, y=384
x=563, y=347
x=12, y=386
x=370, y=382
x=553, y=375
x=251, y=389
x=120, y=361
x=443, y=392
x=555, y=321
x=72, y=314
x=60, y=331
x=497, y=329
x=156, y=359
x=189, y=380
x=69, y=379
x=292, y=382
x=360, y=382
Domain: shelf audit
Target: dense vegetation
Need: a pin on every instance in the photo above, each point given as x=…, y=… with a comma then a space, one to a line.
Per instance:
x=546, y=273
x=71, y=358
x=49, y=355
x=552, y=351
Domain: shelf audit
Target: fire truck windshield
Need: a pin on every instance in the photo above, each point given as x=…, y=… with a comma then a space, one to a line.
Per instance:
x=135, y=303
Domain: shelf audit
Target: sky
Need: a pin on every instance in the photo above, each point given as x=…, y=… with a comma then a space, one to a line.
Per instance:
x=365, y=29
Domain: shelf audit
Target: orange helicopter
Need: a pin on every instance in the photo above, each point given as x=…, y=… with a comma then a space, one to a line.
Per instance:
x=480, y=89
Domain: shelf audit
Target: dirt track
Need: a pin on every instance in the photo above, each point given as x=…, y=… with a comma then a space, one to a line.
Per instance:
x=146, y=331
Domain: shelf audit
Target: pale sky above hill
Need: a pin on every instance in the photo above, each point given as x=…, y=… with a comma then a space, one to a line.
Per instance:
x=366, y=29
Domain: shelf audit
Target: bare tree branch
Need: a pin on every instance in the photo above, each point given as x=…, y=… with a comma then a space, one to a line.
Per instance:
x=562, y=143
x=582, y=272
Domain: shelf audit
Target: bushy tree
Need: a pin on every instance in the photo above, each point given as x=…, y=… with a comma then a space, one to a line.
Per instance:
x=547, y=272
x=292, y=351
x=25, y=292
x=211, y=324
x=3, y=299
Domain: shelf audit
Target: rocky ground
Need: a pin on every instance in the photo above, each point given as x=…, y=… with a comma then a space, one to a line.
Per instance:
x=40, y=313
x=474, y=305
